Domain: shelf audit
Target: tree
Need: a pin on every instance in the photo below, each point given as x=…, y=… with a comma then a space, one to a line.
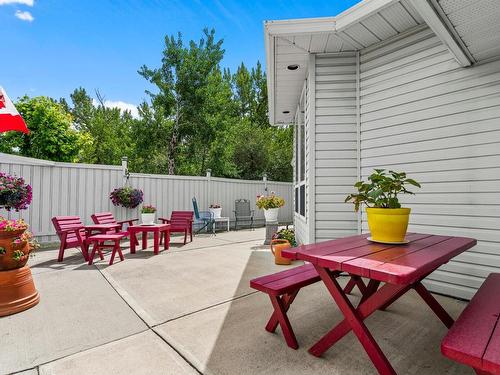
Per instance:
x=105, y=132
x=181, y=82
x=51, y=136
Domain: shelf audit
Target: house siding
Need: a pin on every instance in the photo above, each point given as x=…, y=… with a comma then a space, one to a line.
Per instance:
x=336, y=151
x=423, y=114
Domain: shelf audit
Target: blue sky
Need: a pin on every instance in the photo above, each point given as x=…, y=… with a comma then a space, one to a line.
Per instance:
x=50, y=47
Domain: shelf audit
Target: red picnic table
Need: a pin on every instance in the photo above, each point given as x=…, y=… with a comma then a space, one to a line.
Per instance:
x=400, y=267
x=156, y=229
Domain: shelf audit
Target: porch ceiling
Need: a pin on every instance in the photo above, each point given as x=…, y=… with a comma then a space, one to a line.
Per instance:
x=291, y=42
x=469, y=28
x=477, y=23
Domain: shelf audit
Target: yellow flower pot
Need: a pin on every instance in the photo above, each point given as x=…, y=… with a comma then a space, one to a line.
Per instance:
x=388, y=224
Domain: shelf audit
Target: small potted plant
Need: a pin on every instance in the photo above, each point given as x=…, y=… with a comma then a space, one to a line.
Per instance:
x=387, y=220
x=148, y=215
x=216, y=210
x=271, y=205
x=127, y=197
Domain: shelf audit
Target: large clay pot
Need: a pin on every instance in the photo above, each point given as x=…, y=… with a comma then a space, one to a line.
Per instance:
x=17, y=290
x=10, y=242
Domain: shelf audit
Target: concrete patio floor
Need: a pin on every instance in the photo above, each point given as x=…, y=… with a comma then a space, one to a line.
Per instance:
x=190, y=310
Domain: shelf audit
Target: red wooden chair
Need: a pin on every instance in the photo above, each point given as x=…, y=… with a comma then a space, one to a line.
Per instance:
x=180, y=222
x=71, y=232
x=108, y=218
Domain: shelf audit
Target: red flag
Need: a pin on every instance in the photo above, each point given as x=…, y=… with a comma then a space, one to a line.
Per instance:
x=10, y=119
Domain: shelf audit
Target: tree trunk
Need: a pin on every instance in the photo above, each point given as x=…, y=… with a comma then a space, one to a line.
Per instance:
x=173, y=142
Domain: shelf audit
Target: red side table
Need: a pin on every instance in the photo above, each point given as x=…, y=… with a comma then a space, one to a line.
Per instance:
x=156, y=229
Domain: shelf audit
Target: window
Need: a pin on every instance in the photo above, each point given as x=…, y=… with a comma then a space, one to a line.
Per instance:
x=300, y=159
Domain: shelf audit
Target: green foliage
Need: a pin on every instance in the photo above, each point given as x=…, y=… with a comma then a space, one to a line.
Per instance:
x=105, y=132
x=286, y=234
x=148, y=209
x=270, y=201
x=381, y=190
x=51, y=136
x=197, y=116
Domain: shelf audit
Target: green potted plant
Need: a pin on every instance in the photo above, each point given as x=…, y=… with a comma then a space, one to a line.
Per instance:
x=387, y=220
x=148, y=215
x=271, y=205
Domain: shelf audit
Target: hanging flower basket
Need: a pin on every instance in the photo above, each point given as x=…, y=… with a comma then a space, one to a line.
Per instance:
x=127, y=197
x=14, y=193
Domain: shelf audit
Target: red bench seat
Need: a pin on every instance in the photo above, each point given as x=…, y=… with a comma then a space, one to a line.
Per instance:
x=282, y=287
x=474, y=339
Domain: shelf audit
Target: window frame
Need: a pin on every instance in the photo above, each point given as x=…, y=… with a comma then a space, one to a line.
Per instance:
x=300, y=206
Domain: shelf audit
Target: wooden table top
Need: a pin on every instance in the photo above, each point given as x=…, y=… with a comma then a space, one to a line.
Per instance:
x=396, y=264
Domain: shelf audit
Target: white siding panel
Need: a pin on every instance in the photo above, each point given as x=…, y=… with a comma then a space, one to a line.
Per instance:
x=423, y=114
x=336, y=145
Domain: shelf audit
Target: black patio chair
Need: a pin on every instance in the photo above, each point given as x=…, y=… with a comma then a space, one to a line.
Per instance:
x=243, y=213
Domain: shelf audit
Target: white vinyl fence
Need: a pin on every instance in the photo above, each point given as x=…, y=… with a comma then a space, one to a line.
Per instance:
x=83, y=189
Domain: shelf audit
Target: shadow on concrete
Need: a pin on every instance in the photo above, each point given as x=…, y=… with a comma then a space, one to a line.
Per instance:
x=230, y=338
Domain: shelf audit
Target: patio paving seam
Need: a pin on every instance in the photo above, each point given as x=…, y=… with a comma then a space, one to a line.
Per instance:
x=204, y=308
x=37, y=367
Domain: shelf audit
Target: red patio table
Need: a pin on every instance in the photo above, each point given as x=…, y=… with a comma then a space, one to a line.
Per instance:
x=156, y=229
x=400, y=267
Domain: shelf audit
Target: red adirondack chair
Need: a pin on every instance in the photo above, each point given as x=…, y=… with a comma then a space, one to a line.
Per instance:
x=71, y=232
x=108, y=218
x=180, y=222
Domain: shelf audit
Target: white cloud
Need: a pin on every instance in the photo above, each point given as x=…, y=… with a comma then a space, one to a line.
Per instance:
x=123, y=106
x=24, y=16
x=29, y=3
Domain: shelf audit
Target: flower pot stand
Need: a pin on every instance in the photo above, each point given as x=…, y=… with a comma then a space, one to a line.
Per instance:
x=17, y=291
x=271, y=228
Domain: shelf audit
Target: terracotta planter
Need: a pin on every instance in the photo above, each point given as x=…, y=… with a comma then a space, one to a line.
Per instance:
x=9, y=244
x=17, y=290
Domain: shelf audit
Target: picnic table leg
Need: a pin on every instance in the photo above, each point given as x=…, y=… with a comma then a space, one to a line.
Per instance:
x=156, y=242
x=133, y=242
x=354, y=320
x=272, y=324
x=364, y=310
x=286, y=327
x=350, y=285
x=144, y=240
x=434, y=304
x=370, y=290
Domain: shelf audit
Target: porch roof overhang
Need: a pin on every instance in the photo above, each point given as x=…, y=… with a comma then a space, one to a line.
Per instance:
x=288, y=43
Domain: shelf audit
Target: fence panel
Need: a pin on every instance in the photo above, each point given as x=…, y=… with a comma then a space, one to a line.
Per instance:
x=83, y=189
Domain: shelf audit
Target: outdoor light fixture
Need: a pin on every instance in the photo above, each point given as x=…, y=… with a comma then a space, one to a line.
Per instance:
x=292, y=67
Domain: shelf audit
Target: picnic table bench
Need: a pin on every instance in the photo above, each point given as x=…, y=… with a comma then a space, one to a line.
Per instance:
x=474, y=339
x=282, y=288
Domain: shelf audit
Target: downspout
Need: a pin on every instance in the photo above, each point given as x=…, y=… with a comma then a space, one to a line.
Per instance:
x=358, y=130
x=312, y=147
